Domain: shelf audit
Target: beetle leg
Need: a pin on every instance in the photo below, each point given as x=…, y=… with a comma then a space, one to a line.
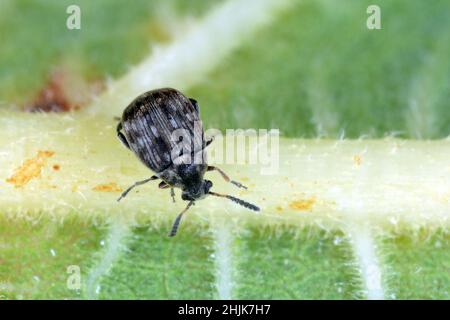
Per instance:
x=225, y=177
x=124, y=194
x=194, y=103
x=176, y=223
x=208, y=142
x=165, y=185
x=121, y=136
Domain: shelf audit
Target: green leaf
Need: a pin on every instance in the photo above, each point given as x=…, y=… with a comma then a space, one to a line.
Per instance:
x=319, y=70
x=316, y=70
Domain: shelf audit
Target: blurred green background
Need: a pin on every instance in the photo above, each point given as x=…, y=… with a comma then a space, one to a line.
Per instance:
x=315, y=71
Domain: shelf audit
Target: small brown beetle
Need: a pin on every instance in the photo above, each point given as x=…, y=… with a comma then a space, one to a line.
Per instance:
x=147, y=128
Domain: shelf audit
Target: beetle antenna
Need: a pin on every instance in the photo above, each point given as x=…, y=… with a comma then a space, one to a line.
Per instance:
x=176, y=223
x=237, y=200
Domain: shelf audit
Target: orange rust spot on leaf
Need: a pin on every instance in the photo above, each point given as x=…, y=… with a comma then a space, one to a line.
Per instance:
x=56, y=167
x=357, y=159
x=107, y=187
x=303, y=204
x=30, y=169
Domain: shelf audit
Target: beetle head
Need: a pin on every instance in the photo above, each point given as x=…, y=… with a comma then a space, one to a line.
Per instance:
x=192, y=194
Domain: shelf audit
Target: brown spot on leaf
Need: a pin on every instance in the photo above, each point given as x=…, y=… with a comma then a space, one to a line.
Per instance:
x=107, y=187
x=51, y=98
x=64, y=91
x=30, y=169
x=56, y=167
x=303, y=204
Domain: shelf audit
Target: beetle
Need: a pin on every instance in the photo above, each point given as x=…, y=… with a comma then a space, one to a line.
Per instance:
x=147, y=128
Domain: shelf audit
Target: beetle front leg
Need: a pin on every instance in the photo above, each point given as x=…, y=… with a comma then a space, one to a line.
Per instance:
x=225, y=177
x=124, y=194
x=165, y=185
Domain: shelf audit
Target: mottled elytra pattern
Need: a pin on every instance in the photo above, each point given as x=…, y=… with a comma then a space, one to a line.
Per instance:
x=151, y=119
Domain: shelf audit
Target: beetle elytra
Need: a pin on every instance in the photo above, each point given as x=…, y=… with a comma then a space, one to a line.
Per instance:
x=146, y=128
